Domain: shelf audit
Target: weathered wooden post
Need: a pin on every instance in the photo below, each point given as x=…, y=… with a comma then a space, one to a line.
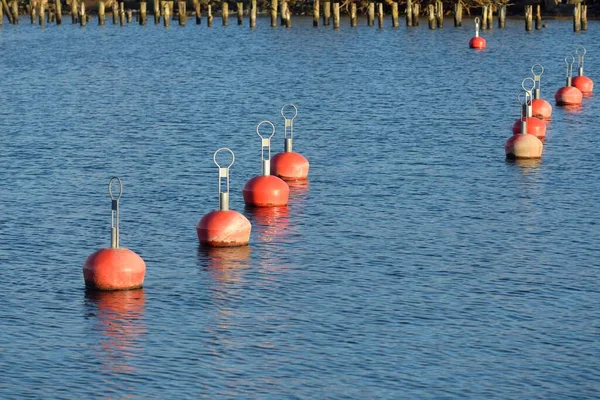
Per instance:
x=181, y=12
x=32, y=10
x=82, y=16
x=440, y=14
x=282, y=14
x=253, y=14
x=101, y=12
x=528, y=18
x=458, y=13
x=2, y=14
x=336, y=14
x=273, y=11
x=129, y=15
x=395, y=19
x=577, y=17
x=166, y=13
x=156, y=9
x=115, y=12
x=122, y=12
x=409, y=21
x=58, y=12
x=288, y=15
x=538, y=17
x=583, y=17
x=371, y=13
x=143, y=12
x=484, y=17
x=490, y=19
x=240, y=13
x=380, y=14
x=225, y=12
x=316, y=15
x=326, y=12
x=502, y=16
x=353, y=15
x=416, y=13
x=431, y=16
x=73, y=11
x=42, y=13
x=198, y=11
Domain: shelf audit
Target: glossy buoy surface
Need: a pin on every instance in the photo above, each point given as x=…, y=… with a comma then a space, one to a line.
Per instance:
x=114, y=269
x=568, y=96
x=584, y=84
x=535, y=127
x=523, y=147
x=266, y=191
x=477, y=43
x=541, y=109
x=290, y=166
x=224, y=229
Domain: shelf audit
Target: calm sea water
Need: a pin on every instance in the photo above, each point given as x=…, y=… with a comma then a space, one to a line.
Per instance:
x=417, y=263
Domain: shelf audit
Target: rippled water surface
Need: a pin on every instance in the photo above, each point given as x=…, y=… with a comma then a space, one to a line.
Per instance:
x=417, y=262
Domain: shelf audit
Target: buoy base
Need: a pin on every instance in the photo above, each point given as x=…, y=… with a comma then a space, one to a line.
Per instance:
x=541, y=109
x=477, y=43
x=223, y=229
x=290, y=166
x=584, y=84
x=266, y=191
x=568, y=96
x=114, y=269
x=523, y=147
x=535, y=127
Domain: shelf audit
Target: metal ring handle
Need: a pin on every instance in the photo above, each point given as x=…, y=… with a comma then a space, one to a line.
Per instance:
x=533, y=69
x=524, y=100
x=226, y=149
x=110, y=193
x=567, y=60
x=532, y=84
x=265, y=122
x=283, y=111
x=580, y=49
x=477, y=20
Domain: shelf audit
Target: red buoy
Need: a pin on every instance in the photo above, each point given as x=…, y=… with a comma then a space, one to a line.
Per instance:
x=266, y=190
x=568, y=95
x=289, y=166
x=223, y=227
x=581, y=82
x=540, y=108
x=114, y=268
x=535, y=127
x=523, y=145
x=477, y=42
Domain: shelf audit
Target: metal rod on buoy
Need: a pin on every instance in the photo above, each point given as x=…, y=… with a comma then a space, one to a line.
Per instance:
x=569, y=69
x=114, y=212
x=537, y=76
x=526, y=99
x=288, y=132
x=527, y=106
x=476, y=26
x=580, y=52
x=265, y=144
x=224, y=174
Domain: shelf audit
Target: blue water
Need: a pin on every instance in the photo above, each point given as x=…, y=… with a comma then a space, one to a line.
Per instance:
x=417, y=262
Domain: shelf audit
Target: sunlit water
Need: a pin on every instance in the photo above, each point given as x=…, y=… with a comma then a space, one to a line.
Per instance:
x=417, y=263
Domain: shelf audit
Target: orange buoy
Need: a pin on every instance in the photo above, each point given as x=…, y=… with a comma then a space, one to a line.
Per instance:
x=523, y=145
x=568, y=95
x=289, y=166
x=114, y=268
x=477, y=42
x=540, y=108
x=266, y=190
x=581, y=82
x=223, y=227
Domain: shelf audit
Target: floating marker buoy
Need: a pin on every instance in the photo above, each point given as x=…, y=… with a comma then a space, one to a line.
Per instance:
x=540, y=108
x=568, y=95
x=114, y=268
x=224, y=227
x=535, y=126
x=289, y=166
x=523, y=145
x=266, y=190
x=477, y=42
x=581, y=82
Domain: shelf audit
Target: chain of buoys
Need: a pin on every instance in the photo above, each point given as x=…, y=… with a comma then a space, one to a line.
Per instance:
x=540, y=108
x=114, y=268
x=477, y=42
x=535, y=126
x=266, y=190
x=223, y=227
x=289, y=165
x=581, y=82
x=523, y=145
x=568, y=95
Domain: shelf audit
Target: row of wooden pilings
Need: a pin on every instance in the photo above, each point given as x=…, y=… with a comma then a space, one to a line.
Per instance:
x=331, y=12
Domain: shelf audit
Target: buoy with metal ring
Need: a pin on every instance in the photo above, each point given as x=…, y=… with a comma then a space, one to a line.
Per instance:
x=535, y=126
x=477, y=42
x=266, y=190
x=223, y=227
x=581, y=82
x=540, y=108
x=289, y=165
x=114, y=268
x=523, y=145
x=568, y=95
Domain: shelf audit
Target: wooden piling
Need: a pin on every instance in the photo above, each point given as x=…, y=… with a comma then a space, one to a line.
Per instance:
x=538, y=17
x=1, y=14
x=371, y=13
x=484, y=17
x=440, y=14
x=336, y=14
x=101, y=12
x=32, y=10
x=166, y=13
x=583, y=16
x=7, y=10
x=224, y=12
x=122, y=13
x=316, y=15
x=353, y=15
x=274, y=5
x=416, y=12
x=458, y=13
x=182, y=12
x=284, y=6
x=143, y=12
x=288, y=15
x=395, y=19
x=82, y=16
x=58, y=12
x=51, y=15
x=240, y=13
x=577, y=18
x=115, y=12
x=42, y=12
x=198, y=11
x=380, y=14
x=74, y=11
x=157, y=11
x=490, y=19
x=326, y=12
x=431, y=16
x=408, y=11
x=253, y=14
x=129, y=15
x=528, y=18
x=502, y=16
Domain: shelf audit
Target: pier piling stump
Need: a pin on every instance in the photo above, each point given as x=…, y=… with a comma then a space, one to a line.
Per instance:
x=240, y=13
x=538, y=17
x=528, y=18
x=32, y=11
x=336, y=14
x=416, y=12
x=74, y=11
x=408, y=11
x=143, y=12
x=577, y=18
x=439, y=13
x=326, y=12
x=316, y=15
x=502, y=16
x=129, y=15
x=122, y=13
x=166, y=14
x=583, y=15
x=115, y=12
x=458, y=14
x=82, y=15
x=42, y=13
x=380, y=14
x=101, y=12
x=371, y=13
x=353, y=15
x=490, y=19
x=58, y=12
x=157, y=11
x=484, y=17
x=209, y=15
x=224, y=12
x=395, y=19
x=198, y=11
x=253, y=14
x=431, y=16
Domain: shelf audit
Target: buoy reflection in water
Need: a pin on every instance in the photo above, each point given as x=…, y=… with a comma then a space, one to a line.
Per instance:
x=224, y=263
x=271, y=223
